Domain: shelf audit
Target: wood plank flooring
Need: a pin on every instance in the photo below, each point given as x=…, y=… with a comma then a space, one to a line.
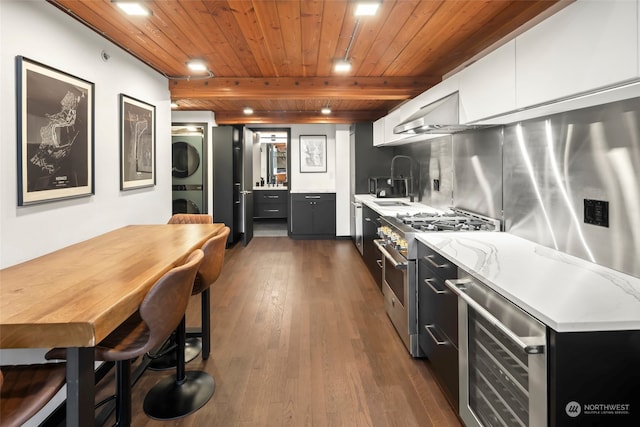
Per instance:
x=300, y=338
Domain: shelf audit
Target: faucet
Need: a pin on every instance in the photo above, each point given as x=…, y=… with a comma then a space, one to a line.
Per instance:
x=393, y=160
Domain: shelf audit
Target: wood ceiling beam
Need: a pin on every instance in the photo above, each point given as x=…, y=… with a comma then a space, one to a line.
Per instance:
x=375, y=88
x=296, y=117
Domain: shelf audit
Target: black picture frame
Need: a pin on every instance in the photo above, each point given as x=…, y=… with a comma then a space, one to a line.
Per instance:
x=313, y=153
x=55, y=135
x=137, y=143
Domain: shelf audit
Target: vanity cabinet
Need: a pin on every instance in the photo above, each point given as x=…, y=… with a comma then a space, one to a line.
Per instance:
x=270, y=204
x=313, y=215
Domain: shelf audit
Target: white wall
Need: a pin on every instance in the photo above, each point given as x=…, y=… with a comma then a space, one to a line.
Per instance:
x=39, y=31
x=343, y=180
x=310, y=182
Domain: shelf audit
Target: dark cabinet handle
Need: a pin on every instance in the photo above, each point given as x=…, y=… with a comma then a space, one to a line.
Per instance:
x=429, y=258
x=433, y=288
x=435, y=339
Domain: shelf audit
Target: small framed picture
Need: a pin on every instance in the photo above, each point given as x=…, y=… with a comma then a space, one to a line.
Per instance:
x=313, y=153
x=137, y=143
x=55, y=113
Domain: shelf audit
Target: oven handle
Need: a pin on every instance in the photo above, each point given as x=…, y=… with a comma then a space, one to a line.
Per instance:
x=533, y=347
x=397, y=265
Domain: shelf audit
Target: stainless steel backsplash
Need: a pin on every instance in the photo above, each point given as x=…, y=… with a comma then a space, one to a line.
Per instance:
x=551, y=165
x=477, y=166
x=535, y=176
x=434, y=175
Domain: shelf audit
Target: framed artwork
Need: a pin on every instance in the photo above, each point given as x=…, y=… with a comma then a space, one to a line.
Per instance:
x=137, y=143
x=55, y=115
x=313, y=153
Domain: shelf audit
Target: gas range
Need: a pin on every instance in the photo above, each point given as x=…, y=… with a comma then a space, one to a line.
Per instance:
x=399, y=252
x=398, y=232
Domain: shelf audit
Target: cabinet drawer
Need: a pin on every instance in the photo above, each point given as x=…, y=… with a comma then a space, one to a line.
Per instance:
x=436, y=262
x=443, y=357
x=437, y=305
x=270, y=211
x=263, y=196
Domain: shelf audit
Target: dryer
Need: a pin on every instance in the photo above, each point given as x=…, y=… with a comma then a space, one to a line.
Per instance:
x=187, y=172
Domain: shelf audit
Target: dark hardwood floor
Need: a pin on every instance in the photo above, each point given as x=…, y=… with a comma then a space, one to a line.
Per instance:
x=300, y=338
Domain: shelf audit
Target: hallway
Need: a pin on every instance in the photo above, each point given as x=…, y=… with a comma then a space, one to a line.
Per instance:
x=300, y=337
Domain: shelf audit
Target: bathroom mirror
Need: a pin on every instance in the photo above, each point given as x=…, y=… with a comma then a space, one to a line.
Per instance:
x=270, y=158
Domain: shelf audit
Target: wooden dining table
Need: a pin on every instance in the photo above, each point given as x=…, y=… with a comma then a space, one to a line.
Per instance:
x=74, y=297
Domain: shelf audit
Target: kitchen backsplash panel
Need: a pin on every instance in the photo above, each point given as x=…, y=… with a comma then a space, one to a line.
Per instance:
x=435, y=175
x=477, y=166
x=560, y=169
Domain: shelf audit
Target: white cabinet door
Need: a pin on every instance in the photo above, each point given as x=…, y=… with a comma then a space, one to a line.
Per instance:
x=587, y=45
x=488, y=86
x=378, y=132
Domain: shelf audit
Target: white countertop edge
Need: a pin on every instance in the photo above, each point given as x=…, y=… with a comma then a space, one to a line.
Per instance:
x=310, y=191
x=412, y=208
x=573, y=317
x=270, y=188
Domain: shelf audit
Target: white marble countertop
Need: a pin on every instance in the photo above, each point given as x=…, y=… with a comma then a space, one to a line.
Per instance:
x=566, y=293
x=410, y=207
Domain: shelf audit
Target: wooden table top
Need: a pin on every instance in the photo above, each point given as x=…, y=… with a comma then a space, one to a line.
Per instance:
x=75, y=296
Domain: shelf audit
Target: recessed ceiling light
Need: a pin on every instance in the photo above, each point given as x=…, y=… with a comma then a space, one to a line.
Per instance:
x=326, y=110
x=367, y=8
x=342, y=66
x=248, y=110
x=174, y=105
x=197, y=65
x=133, y=8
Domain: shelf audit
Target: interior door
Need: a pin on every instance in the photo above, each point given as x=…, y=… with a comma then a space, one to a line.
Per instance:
x=247, y=185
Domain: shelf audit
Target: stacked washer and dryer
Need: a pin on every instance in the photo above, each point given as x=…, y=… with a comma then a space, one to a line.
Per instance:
x=187, y=173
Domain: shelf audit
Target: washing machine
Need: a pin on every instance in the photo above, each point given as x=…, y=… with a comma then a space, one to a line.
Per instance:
x=187, y=172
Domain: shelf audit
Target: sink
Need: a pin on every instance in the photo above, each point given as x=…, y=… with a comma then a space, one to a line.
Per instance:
x=391, y=203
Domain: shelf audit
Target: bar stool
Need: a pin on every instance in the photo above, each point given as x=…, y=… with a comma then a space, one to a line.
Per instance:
x=26, y=389
x=208, y=273
x=187, y=391
x=160, y=312
x=165, y=358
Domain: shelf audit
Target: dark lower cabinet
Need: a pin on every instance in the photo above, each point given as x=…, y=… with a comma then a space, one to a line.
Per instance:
x=270, y=204
x=313, y=215
x=438, y=319
x=594, y=378
x=370, y=253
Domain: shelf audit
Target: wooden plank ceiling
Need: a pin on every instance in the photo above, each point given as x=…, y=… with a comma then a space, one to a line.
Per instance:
x=276, y=56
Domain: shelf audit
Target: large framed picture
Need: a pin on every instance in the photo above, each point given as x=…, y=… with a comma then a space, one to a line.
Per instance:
x=137, y=143
x=313, y=153
x=55, y=113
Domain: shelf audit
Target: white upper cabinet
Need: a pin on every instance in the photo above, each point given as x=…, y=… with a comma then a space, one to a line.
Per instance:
x=378, y=132
x=586, y=46
x=488, y=86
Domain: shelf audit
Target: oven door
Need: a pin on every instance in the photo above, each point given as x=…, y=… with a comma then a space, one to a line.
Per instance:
x=395, y=289
x=503, y=376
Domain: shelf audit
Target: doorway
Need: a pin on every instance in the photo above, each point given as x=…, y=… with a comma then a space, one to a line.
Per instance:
x=271, y=178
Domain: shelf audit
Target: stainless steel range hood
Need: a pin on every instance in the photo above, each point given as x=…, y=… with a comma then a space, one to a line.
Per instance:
x=439, y=117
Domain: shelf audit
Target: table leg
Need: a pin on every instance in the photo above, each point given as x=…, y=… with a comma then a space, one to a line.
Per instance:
x=80, y=386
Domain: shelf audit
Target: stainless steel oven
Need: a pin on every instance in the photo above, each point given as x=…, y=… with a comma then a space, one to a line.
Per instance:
x=503, y=369
x=395, y=287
